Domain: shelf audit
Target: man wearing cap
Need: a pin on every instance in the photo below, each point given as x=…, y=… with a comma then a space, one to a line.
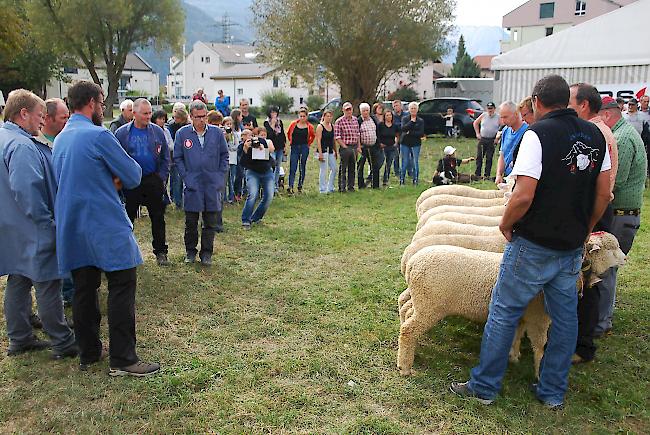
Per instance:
x=510, y=138
x=634, y=116
x=447, y=172
x=486, y=127
x=126, y=107
x=628, y=199
x=346, y=134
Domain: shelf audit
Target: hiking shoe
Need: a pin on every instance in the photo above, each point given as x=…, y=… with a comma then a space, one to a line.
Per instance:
x=139, y=369
x=548, y=405
x=246, y=226
x=35, y=321
x=462, y=390
x=162, y=260
x=190, y=258
x=206, y=260
x=70, y=352
x=85, y=365
x=34, y=344
x=290, y=191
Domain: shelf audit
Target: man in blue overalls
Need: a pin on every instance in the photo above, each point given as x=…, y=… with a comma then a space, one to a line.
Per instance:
x=201, y=156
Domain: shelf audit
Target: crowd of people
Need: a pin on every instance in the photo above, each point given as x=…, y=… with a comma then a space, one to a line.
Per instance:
x=579, y=162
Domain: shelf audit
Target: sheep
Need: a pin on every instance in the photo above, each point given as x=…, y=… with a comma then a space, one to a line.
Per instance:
x=431, y=295
x=481, y=243
x=436, y=200
x=458, y=190
x=461, y=218
x=496, y=210
x=443, y=227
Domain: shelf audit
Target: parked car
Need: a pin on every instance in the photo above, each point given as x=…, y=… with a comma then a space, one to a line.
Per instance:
x=465, y=112
x=316, y=115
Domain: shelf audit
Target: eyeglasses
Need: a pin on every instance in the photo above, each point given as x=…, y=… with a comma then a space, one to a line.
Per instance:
x=101, y=103
x=199, y=116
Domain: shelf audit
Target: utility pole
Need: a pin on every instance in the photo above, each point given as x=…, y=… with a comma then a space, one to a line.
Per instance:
x=226, y=27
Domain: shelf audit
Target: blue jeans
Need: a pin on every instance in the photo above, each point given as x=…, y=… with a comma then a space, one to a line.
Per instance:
x=255, y=180
x=175, y=186
x=391, y=155
x=326, y=181
x=278, y=155
x=410, y=158
x=67, y=290
x=232, y=175
x=526, y=270
x=299, y=153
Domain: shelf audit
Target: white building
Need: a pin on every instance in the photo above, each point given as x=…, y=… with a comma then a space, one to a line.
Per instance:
x=137, y=76
x=589, y=52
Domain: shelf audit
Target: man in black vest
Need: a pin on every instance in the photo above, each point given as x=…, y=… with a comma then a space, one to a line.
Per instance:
x=562, y=189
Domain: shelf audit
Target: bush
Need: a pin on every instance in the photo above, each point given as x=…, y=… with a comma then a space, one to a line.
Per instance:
x=405, y=94
x=315, y=102
x=277, y=98
x=257, y=111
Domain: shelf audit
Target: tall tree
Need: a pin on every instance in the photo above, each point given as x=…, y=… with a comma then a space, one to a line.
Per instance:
x=100, y=34
x=465, y=65
x=358, y=43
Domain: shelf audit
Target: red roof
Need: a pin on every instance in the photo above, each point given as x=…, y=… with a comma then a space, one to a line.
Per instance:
x=484, y=61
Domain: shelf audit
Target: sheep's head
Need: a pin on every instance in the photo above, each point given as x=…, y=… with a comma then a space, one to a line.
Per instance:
x=603, y=252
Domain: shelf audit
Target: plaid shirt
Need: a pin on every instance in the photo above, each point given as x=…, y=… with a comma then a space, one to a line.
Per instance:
x=347, y=130
x=368, y=131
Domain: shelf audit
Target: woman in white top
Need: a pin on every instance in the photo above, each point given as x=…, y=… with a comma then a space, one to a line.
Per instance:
x=327, y=153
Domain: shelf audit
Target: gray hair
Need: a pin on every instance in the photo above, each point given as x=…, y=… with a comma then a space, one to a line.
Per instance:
x=52, y=106
x=177, y=106
x=244, y=100
x=197, y=105
x=364, y=106
x=139, y=102
x=508, y=105
x=126, y=103
x=414, y=104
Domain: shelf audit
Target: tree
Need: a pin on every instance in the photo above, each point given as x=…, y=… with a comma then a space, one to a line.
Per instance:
x=405, y=93
x=315, y=101
x=278, y=98
x=357, y=43
x=100, y=34
x=464, y=65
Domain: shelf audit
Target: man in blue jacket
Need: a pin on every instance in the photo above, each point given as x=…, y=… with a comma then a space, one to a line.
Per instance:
x=94, y=233
x=145, y=142
x=201, y=156
x=28, y=254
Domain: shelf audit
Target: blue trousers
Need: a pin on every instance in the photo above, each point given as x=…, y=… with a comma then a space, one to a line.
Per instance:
x=175, y=186
x=410, y=159
x=299, y=154
x=255, y=180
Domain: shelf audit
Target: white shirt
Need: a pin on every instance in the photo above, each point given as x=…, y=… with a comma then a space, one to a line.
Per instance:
x=637, y=119
x=529, y=159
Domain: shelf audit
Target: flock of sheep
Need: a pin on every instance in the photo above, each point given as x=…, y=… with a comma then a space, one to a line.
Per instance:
x=452, y=264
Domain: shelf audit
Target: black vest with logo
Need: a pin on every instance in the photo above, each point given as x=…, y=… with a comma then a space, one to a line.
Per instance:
x=572, y=156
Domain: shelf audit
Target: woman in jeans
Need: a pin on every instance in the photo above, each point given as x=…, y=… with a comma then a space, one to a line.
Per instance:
x=300, y=134
x=387, y=135
x=232, y=139
x=259, y=173
x=412, y=132
x=237, y=128
x=326, y=152
x=275, y=132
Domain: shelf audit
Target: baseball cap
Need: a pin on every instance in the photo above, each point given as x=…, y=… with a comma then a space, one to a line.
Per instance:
x=346, y=105
x=449, y=150
x=632, y=101
x=490, y=105
x=609, y=103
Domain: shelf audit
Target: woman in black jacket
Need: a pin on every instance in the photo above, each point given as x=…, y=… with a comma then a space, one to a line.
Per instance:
x=275, y=133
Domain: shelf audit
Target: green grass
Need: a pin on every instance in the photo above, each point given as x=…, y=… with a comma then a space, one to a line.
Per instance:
x=270, y=337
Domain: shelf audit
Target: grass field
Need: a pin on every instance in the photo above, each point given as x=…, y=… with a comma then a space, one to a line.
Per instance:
x=294, y=329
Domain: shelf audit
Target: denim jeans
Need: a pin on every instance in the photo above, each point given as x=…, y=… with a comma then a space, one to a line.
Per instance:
x=299, y=153
x=410, y=158
x=175, y=186
x=67, y=290
x=278, y=155
x=391, y=154
x=255, y=180
x=526, y=270
x=327, y=182
x=232, y=175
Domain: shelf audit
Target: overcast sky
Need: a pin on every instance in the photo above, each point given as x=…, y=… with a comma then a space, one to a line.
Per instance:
x=484, y=12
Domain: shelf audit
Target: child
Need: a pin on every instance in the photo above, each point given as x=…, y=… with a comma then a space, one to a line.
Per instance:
x=449, y=122
x=232, y=139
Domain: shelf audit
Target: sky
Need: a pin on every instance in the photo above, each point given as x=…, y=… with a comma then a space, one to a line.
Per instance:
x=483, y=12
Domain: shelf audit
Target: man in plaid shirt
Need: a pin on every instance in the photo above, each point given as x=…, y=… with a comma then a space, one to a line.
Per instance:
x=346, y=134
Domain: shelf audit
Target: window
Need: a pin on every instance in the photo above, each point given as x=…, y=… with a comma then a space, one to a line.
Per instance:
x=275, y=82
x=240, y=91
x=515, y=35
x=202, y=58
x=301, y=100
x=202, y=75
x=250, y=101
x=426, y=107
x=207, y=59
x=68, y=70
x=294, y=82
x=549, y=31
x=581, y=8
x=546, y=10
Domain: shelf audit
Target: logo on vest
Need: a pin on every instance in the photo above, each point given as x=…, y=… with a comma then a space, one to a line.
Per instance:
x=581, y=157
x=158, y=149
x=188, y=144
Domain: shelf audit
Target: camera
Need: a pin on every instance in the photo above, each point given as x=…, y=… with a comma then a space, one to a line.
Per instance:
x=255, y=142
x=228, y=130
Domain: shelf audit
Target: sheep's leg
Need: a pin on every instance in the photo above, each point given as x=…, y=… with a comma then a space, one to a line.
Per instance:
x=405, y=296
x=538, y=335
x=515, y=351
x=404, y=310
x=409, y=333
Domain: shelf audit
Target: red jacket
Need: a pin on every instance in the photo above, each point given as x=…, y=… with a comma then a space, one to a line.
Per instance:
x=311, y=133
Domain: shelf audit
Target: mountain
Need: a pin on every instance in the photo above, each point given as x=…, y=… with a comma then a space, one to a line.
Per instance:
x=479, y=40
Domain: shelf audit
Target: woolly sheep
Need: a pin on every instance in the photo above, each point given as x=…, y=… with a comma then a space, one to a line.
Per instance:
x=480, y=243
x=444, y=227
x=461, y=218
x=436, y=200
x=496, y=210
x=458, y=190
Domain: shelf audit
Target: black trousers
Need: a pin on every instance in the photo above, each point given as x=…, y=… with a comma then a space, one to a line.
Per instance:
x=361, y=163
x=209, y=226
x=121, y=315
x=347, y=168
x=485, y=148
x=150, y=193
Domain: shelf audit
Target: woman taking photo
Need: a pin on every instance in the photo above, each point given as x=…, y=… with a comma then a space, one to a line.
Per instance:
x=326, y=152
x=257, y=159
x=388, y=135
x=301, y=134
x=275, y=133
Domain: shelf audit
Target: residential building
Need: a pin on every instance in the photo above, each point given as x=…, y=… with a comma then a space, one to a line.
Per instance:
x=137, y=77
x=421, y=81
x=537, y=19
x=485, y=61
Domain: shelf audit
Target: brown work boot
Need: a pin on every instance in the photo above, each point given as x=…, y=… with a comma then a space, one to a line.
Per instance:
x=139, y=369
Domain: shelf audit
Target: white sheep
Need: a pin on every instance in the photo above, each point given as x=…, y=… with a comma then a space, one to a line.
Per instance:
x=459, y=190
x=450, y=280
x=496, y=210
x=444, y=227
x=437, y=200
x=461, y=218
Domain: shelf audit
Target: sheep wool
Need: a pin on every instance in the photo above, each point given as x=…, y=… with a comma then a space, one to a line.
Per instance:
x=496, y=210
x=437, y=200
x=459, y=190
x=474, y=219
x=444, y=227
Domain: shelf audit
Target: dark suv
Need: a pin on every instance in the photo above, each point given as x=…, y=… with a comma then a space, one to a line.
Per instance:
x=465, y=112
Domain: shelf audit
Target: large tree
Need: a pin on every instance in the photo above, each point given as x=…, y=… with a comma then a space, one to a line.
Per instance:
x=100, y=34
x=357, y=42
x=464, y=66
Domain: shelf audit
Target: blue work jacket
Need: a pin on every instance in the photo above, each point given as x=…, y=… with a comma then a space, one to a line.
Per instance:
x=157, y=146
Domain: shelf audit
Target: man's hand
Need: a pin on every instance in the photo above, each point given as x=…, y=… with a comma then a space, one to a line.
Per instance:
x=117, y=183
x=506, y=231
x=321, y=157
x=498, y=180
x=478, y=136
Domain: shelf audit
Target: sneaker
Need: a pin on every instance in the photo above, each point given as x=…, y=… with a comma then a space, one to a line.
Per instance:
x=190, y=258
x=35, y=321
x=162, y=260
x=139, y=369
x=70, y=352
x=601, y=334
x=551, y=406
x=85, y=365
x=462, y=390
x=299, y=189
x=33, y=345
x=206, y=260
x=290, y=191
x=246, y=227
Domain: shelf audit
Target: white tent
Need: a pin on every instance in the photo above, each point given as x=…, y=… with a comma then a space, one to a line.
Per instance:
x=610, y=51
